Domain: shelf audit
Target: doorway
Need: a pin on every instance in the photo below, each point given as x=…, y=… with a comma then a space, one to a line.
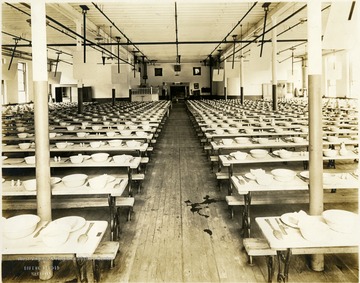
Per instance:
x=179, y=92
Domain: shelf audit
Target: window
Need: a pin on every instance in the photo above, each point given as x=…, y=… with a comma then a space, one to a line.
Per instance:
x=21, y=82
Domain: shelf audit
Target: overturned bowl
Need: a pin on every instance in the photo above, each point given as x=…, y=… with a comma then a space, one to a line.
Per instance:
x=55, y=234
x=74, y=180
x=341, y=220
x=283, y=175
x=100, y=157
x=20, y=226
x=98, y=182
x=239, y=155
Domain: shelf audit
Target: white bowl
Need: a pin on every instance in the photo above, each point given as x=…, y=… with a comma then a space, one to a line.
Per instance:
x=100, y=157
x=22, y=135
x=81, y=134
x=95, y=144
x=313, y=229
x=249, y=131
x=233, y=130
x=141, y=134
x=283, y=175
x=95, y=119
x=110, y=133
x=258, y=153
x=98, y=182
x=283, y=153
x=55, y=234
x=132, y=143
x=24, y=145
x=30, y=185
x=30, y=160
x=278, y=130
x=115, y=142
x=106, y=123
x=63, y=124
x=123, y=158
x=219, y=131
x=263, y=140
x=52, y=135
x=132, y=127
x=70, y=128
x=20, y=226
x=264, y=179
x=341, y=220
x=298, y=139
x=305, y=129
x=146, y=127
x=227, y=141
x=61, y=145
x=125, y=132
x=330, y=152
x=242, y=140
x=74, y=180
x=120, y=127
x=239, y=155
x=96, y=127
x=332, y=138
x=20, y=129
x=76, y=159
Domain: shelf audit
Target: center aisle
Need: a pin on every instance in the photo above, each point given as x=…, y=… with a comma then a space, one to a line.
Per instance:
x=181, y=230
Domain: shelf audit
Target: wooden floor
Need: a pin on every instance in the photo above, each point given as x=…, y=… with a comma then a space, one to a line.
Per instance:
x=181, y=230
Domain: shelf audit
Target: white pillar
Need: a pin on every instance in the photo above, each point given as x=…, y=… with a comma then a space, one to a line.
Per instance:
x=41, y=119
x=315, y=117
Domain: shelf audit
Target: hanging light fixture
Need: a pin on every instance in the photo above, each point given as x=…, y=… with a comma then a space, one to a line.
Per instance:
x=233, y=59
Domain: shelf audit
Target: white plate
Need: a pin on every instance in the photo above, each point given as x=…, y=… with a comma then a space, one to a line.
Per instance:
x=111, y=179
x=286, y=219
x=250, y=176
x=305, y=174
x=75, y=222
x=55, y=180
x=276, y=152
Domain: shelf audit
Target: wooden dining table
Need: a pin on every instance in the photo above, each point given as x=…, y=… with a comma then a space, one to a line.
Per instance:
x=33, y=248
x=111, y=191
x=245, y=187
x=330, y=241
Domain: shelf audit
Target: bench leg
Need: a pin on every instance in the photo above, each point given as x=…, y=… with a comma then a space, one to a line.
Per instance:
x=270, y=266
x=96, y=270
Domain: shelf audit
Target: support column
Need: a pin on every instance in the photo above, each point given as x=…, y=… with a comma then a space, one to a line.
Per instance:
x=80, y=98
x=315, y=118
x=41, y=120
x=304, y=77
x=113, y=94
x=274, y=64
x=241, y=77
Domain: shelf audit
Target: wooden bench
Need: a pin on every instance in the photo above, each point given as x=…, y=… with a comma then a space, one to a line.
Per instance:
x=221, y=176
x=213, y=159
x=260, y=247
x=233, y=201
x=126, y=202
x=105, y=251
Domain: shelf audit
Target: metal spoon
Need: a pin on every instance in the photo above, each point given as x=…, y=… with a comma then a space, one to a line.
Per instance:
x=84, y=237
x=277, y=233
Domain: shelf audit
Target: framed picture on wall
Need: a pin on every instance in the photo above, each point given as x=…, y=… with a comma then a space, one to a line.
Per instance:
x=158, y=72
x=196, y=85
x=197, y=71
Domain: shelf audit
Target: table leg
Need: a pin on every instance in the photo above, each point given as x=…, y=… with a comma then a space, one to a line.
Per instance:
x=80, y=268
x=245, y=227
x=283, y=259
x=113, y=218
x=130, y=181
x=230, y=170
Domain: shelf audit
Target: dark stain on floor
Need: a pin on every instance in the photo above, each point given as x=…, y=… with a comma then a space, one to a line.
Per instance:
x=196, y=207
